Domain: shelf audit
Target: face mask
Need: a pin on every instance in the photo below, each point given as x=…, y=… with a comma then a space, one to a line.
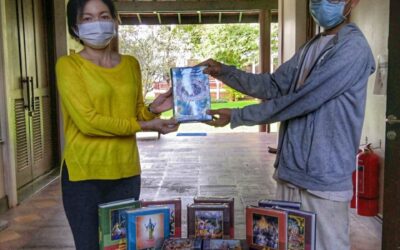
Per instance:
x=96, y=34
x=326, y=13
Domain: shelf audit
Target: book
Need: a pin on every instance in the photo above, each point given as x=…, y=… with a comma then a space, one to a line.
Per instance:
x=175, y=215
x=224, y=244
x=208, y=221
x=279, y=203
x=301, y=229
x=182, y=244
x=230, y=201
x=147, y=227
x=266, y=228
x=112, y=224
x=191, y=94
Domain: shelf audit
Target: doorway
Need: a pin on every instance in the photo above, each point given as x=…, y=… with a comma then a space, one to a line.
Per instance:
x=28, y=91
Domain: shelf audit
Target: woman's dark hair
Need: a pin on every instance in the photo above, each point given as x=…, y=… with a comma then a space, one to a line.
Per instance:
x=75, y=9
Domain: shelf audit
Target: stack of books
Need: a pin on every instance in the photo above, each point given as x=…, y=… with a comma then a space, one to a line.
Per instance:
x=273, y=224
x=204, y=244
x=132, y=225
x=280, y=225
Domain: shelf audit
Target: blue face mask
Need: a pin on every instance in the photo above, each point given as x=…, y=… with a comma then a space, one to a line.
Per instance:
x=326, y=13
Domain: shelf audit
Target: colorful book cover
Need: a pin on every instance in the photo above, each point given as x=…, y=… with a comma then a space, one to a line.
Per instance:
x=208, y=221
x=147, y=227
x=112, y=224
x=191, y=91
x=175, y=216
x=266, y=228
x=230, y=201
x=224, y=244
x=301, y=229
x=279, y=203
x=182, y=244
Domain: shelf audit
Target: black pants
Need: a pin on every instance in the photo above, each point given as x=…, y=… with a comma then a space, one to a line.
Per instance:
x=81, y=198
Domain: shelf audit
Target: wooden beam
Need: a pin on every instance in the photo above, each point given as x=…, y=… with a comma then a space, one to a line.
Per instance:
x=207, y=5
x=265, y=50
x=159, y=18
x=199, y=12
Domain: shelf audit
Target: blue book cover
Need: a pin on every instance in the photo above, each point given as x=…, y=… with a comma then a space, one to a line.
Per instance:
x=147, y=228
x=191, y=91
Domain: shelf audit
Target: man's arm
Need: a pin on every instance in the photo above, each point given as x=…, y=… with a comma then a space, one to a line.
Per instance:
x=320, y=87
x=262, y=86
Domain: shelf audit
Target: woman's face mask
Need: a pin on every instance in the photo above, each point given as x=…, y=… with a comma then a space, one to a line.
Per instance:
x=96, y=34
x=327, y=13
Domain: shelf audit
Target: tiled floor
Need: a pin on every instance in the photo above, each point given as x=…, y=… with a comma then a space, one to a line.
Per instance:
x=235, y=164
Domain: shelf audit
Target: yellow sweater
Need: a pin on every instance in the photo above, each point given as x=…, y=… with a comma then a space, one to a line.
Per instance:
x=101, y=108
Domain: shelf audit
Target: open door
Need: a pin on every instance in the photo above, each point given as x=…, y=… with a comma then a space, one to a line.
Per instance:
x=391, y=200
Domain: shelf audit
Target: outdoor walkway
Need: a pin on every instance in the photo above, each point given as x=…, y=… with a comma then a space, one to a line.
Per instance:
x=223, y=164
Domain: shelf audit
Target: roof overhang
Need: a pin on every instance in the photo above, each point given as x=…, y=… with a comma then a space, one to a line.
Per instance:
x=194, y=12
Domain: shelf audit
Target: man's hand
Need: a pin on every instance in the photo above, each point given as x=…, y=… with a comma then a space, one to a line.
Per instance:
x=213, y=67
x=162, y=103
x=160, y=125
x=221, y=117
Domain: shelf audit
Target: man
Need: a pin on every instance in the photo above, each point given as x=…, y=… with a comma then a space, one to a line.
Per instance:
x=319, y=95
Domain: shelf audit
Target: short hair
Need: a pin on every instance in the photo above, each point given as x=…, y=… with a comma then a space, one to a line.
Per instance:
x=75, y=9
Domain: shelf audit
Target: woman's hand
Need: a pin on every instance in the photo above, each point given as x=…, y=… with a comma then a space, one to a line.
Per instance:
x=213, y=67
x=162, y=103
x=221, y=117
x=160, y=125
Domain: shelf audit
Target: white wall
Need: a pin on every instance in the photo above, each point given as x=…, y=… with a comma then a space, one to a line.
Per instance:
x=373, y=19
x=293, y=14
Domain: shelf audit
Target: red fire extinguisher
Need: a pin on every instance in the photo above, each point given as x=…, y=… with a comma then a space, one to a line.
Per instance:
x=368, y=182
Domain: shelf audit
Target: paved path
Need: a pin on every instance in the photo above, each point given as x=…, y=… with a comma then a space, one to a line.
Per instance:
x=223, y=164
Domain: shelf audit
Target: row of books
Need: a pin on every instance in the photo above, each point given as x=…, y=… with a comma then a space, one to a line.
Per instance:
x=203, y=244
x=272, y=224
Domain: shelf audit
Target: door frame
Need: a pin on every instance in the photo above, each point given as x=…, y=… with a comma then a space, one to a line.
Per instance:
x=391, y=209
x=11, y=74
x=10, y=185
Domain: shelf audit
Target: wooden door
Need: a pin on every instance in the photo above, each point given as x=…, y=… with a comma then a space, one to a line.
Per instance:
x=391, y=200
x=30, y=93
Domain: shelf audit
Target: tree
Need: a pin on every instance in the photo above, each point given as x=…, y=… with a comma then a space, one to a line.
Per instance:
x=160, y=47
x=233, y=44
x=156, y=49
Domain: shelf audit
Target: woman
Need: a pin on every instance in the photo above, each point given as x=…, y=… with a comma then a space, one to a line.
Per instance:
x=103, y=108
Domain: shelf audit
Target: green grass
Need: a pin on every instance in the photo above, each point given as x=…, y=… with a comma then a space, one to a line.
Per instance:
x=238, y=104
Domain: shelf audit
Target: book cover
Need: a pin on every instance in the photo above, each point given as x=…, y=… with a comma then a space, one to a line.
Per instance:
x=112, y=224
x=301, y=229
x=224, y=244
x=279, y=203
x=147, y=227
x=208, y=221
x=175, y=215
x=182, y=244
x=191, y=92
x=266, y=228
x=230, y=201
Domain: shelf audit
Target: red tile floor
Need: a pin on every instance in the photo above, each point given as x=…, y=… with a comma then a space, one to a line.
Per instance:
x=224, y=164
